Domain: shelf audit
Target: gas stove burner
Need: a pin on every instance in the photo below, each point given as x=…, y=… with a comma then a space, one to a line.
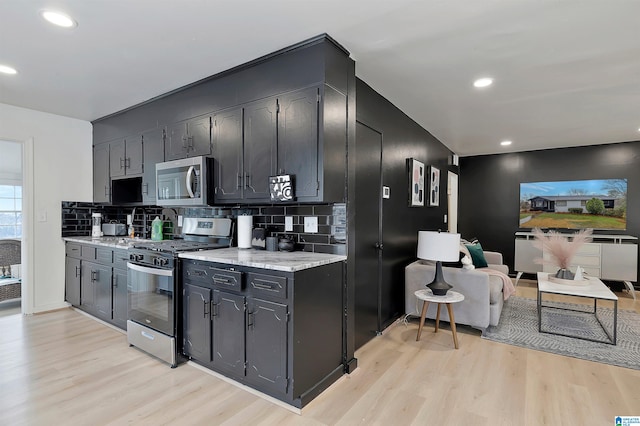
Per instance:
x=173, y=246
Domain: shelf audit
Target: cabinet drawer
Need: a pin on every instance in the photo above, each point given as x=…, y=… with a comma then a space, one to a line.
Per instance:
x=584, y=260
x=202, y=273
x=88, y=252
x=226, y=278
x=589, y=249
x=73, y=250
x=104, y=255
x=267, y=285
x=120, y=259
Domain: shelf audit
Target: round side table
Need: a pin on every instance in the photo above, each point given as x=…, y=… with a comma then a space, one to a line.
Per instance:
x=451, y=297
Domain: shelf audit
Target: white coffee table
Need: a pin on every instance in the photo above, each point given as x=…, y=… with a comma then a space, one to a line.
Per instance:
x=595, y=290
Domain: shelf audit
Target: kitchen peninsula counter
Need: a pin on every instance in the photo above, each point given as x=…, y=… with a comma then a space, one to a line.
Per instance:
x=273, y=260
x=119, y=242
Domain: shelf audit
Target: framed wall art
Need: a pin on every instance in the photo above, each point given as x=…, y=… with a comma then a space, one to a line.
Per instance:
x=434, y=186
x=416, y=182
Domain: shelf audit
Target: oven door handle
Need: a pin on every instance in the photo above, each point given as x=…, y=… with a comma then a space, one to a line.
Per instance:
x=152, y=271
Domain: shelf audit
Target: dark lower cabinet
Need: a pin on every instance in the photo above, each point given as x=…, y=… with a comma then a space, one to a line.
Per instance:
x=72, y=281
x=228, y=313
x=267, y=345
x=119, y=296
x=96, y=281
x=196, y=301
x=251, y=333
x=96, y=289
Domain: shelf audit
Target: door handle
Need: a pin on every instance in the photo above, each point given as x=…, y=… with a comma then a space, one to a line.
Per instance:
x=379, y=245
x=247, y=180
x=238, y=179
x=189, y=179
x=250, y=319
x=77, y=271
x=146, y=188
x=94, y=276
x=204, y=308
x=122, y=163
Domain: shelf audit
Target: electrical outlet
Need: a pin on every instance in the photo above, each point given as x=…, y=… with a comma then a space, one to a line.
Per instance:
x=311, y=224
x=288, y=223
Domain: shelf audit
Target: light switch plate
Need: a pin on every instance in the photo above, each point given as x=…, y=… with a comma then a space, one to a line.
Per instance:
x=311, y=224
x=288, y=223
x=386, y=192
x=179, y=220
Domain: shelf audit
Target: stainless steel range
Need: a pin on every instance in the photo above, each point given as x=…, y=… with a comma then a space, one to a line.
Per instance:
x=153, y=280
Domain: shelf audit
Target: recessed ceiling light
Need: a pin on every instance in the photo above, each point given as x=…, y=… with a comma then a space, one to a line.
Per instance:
x=483, y=82
x=7, y=69
x=505, y=143
x=58, y=18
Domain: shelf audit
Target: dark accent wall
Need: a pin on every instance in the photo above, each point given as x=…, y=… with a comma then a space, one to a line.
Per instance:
x=402, y=138
x=490, y=187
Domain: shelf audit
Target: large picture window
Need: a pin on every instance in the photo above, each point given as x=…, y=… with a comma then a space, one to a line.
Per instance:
x=10, y=211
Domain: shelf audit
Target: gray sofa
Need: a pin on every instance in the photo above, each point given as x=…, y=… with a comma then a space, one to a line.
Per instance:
x=483, y=297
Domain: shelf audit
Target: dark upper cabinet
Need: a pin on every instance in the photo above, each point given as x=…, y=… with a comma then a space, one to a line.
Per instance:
x=153, y=153
x=101, y=180
x=189, y=138
x=126, y=157
x=298, y=141
x=260, y=139
x=227, y=152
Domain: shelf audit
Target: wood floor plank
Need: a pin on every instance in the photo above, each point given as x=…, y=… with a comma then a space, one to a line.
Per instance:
x=66, y=368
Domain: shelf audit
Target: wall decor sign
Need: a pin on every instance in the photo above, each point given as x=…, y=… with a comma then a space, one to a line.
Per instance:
x=434, y=186
x=416, y=183
x=281, y=188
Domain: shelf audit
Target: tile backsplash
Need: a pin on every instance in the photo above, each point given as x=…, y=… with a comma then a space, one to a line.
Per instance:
x=330, y=238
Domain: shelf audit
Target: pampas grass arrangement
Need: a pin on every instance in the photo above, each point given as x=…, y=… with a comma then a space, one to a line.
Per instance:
x=560, y=249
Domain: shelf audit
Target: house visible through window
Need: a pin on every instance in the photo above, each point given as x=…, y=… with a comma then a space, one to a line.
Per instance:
x=10, y=211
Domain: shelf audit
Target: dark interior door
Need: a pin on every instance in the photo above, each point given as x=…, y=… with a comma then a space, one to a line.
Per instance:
x=368, y=230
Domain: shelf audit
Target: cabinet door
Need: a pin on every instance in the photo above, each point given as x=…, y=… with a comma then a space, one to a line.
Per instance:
x=88, y=277
x=153, y=153
x=227, y=146
x=103, y=285
x=298, y=140
x=101, y=180
x=260, y=132
x=228, y=315
x=199, y=136
x=133, y=159
x=72, y=281
x=117, y=158
x=267, y=344
x=120, y=310
x=196, y=322
x=175, y=146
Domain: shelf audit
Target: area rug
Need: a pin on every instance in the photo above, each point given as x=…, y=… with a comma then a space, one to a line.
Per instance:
x=519, y=326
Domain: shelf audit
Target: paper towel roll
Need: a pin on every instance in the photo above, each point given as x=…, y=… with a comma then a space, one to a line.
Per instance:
x=245, y=228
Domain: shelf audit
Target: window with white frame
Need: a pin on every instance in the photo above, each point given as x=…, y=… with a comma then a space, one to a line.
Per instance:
x=10, y=211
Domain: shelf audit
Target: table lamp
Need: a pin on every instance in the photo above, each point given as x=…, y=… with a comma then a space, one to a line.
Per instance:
x=441, y=247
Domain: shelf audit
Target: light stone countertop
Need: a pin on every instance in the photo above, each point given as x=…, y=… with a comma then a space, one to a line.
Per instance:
x=120, y=242
x=274, y=260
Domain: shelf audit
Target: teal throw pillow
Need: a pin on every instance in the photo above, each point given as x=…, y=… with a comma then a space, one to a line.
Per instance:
x=477, y=255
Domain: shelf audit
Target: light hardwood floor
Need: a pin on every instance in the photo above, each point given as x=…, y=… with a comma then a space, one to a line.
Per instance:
x=65, y=368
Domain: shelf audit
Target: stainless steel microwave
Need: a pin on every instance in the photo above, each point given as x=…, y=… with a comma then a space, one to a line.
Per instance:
x=186, y=182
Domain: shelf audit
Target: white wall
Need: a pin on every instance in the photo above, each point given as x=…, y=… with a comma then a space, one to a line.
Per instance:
x=61, y=151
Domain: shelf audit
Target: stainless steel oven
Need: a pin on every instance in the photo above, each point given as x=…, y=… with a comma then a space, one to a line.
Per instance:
x=151, y=284
x=153, y=281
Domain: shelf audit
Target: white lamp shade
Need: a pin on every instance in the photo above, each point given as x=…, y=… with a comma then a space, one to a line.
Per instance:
x=443, y=246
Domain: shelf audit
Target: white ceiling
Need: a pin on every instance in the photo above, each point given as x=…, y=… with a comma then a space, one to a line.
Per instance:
x=567, y=72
